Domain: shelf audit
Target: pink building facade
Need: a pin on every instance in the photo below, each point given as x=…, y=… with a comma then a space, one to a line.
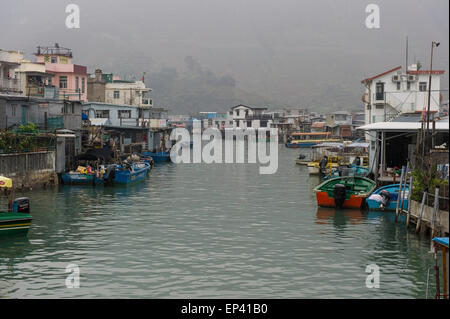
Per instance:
x=69, y=78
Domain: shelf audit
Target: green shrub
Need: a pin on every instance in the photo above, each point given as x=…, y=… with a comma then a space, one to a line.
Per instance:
x=423, y=180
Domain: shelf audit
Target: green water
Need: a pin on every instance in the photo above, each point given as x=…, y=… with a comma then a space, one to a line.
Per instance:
x=210, y=231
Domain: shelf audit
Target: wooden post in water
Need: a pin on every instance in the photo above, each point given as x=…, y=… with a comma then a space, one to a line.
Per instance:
x=399, y=193
x=419, y=219
x=403, y=189
x=435, y=208
x=444, y=270
x=409, y=201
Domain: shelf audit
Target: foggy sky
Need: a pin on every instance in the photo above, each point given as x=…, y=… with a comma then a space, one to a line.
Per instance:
x=295, y=52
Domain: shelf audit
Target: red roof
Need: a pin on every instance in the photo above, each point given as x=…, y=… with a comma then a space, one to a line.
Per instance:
x=381, y=74
x=427, y=72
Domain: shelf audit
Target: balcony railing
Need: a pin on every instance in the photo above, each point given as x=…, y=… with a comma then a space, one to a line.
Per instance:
x=10, y=85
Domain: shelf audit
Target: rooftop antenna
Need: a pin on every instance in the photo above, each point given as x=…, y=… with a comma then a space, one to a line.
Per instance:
x=406, y=54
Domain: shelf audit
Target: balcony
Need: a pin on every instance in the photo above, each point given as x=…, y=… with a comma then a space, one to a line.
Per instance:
x=48, y=92
x=259, y=117
x=9, y=85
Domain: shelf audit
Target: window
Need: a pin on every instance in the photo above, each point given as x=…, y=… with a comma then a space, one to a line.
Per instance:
x=77, y=84
x=116, y=94
x=54, y=59
x=398, y=86
x=249, y=123
x=13, y=109
x=102, y=114
x=63, y=82
x=151, y=102
x=68, y=108
x=408, y=86
x=422, y=86
x=82, y=85
x=379, y=91
x=124, y=114
x=263, y=123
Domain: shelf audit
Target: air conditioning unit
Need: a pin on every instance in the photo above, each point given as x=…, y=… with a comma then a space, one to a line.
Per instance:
x=412, y=78
x=396, y=78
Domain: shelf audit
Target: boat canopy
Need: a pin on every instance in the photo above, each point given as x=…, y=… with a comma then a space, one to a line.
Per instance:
x=329, y=144
x=309, y=134
x=361, y=145
x=441, y=240
x=5, y=182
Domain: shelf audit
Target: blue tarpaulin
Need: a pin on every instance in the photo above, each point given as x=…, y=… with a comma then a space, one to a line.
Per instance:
x=441, y=240
x=84, y=117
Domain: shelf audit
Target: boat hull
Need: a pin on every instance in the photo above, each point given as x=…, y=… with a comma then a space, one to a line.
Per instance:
x=324, y=200
x=392, y=204
x=78, y=178
x=356, y=190
x=14, y=223
x=158, y=157
x=125, y=177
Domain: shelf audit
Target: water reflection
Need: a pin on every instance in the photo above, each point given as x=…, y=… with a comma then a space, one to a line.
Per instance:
x=339, y=217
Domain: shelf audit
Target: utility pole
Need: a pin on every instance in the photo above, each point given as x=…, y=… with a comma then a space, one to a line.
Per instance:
x=433, y=43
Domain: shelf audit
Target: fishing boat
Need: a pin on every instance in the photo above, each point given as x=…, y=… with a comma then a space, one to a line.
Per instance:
x=16, y=219
x=158, y=157
x=324, y=158
x=386, y=197
x=344, y=192
x=126, y=173
x=76, y=177
x=318, y=167
x=305, y=140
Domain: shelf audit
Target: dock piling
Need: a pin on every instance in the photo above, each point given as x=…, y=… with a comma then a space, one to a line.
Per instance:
x=408, y=212
x=422, y=206
x=435, y=208
x=399, y=193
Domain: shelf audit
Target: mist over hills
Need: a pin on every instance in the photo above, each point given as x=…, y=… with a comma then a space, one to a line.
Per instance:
x=209, y=55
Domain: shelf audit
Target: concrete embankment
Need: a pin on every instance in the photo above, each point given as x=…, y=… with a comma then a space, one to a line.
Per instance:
x=35, y=169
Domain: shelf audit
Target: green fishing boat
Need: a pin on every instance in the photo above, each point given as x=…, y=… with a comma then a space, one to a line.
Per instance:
x=16, y=219
x=344, y=192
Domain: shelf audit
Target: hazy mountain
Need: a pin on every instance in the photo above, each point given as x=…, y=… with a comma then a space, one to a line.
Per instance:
x=310, y=54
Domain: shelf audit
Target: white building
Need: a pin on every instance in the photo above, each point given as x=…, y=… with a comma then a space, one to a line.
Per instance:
x=246, y=117
x=9, y=61
x=394, y=92
x=216, y=120
x=111, y=89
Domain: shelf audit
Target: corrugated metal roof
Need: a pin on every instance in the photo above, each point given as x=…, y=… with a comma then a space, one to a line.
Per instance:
x=401, y=126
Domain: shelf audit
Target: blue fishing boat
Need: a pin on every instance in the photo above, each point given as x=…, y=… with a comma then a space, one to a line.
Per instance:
x=78, y=178
x=158, y=157
x=385, y=198
x=127, y=173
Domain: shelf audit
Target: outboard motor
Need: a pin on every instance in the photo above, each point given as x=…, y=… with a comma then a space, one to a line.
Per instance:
x=323, y=165
x=386, y=198
x=110, y=173
x=339, y=195
x=21, y=205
